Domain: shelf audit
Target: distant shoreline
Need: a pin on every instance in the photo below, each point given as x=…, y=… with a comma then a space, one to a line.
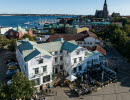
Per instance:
x=37, y=15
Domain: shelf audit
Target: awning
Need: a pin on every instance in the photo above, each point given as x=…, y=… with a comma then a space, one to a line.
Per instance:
x=71, y=78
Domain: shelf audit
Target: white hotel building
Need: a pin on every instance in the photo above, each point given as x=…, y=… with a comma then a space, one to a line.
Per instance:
x=40, y=61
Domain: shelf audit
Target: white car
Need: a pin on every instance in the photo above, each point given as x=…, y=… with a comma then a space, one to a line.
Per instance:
x=9, y=82
x=12, y=64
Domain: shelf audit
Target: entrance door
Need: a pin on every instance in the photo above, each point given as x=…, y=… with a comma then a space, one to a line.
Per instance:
x=56, y=70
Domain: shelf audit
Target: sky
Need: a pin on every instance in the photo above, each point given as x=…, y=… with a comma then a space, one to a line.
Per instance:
x=77, y=7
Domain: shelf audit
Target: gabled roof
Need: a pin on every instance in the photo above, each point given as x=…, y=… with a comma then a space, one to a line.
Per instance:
x=76, y=37
x=69, y=46
x=98, y=48
x=31, y=49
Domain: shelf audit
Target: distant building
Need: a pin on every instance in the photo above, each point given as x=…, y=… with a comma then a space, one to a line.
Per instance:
x=102, y=13
x=98, y=26
x=88, y=39
x=3, y=30
x=115, y=14
x=18, y=32
x=76, y=29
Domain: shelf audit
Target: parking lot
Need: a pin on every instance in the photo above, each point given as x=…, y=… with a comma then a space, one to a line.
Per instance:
x=3, y=68
x=4, y=54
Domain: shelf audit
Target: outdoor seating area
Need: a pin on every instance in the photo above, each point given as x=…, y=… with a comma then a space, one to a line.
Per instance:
x=88, y=82
x=91, y=81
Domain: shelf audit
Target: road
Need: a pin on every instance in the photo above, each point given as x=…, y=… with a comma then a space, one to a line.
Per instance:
x=115, y=91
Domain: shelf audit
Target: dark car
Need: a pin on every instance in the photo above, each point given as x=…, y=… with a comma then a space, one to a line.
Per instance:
x=11, y=72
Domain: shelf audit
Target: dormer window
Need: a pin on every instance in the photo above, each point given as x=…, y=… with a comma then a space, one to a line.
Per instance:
x=56, y=52
x=40, y=61
x=77, y=52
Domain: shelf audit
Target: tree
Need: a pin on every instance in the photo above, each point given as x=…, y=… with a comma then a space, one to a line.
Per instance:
x=2, y=92
x=28, y=36
x=21, y=88
x=12, y=45
x=52, y=31
x=126, y=28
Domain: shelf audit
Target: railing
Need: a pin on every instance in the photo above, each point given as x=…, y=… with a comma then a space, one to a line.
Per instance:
x=37, y=75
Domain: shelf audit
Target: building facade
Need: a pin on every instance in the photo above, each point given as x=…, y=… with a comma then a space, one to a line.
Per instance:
x=88, y=39
x=76, y=29
x=3, y=30
x=18, y=32
x=39, y=62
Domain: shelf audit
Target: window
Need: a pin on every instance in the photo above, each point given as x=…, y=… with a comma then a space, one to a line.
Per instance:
x=74, y=70
x=60, y=52
x=78, y=52
x=80, y=58
x=46, y=78
x=44, y=68
x=36, y=70
x=36, y=81
x=55, y=59
x=80, y=68
x=61, y=58
x=75, y=60
x=56, y=53
x=40, y=61
x=61, y=67
x=90, y=43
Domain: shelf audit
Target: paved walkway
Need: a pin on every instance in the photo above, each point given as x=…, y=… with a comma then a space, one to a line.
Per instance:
x=115, y=91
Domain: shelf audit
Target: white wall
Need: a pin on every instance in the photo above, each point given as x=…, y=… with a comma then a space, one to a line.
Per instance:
x=89, y=41
x=4, y=30
x=33, y=63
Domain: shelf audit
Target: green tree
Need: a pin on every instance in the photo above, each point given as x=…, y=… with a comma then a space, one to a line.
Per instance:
x=28, y=36
x=12, y=45
x=21, y=88
x=52, y=31
x=2, y=92
x=126, y=28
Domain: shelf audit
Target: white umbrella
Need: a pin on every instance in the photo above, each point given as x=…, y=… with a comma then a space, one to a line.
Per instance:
x=71, y=78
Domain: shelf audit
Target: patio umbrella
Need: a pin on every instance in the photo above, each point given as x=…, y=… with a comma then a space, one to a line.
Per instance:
x=71, y=78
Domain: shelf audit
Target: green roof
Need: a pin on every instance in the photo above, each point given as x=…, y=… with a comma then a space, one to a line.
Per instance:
x=100, y=23
x=69, y=46
x=30, y=49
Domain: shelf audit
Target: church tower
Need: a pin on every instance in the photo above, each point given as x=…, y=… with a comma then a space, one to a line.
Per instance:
x=105, y=10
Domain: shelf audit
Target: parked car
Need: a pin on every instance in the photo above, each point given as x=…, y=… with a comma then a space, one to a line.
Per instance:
x=12, y=64
x=12, y=67
x=8, y=61
x=11, y=72
x=9, y=82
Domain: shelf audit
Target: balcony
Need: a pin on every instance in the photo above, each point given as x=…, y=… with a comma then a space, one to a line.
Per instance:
x=37, y=75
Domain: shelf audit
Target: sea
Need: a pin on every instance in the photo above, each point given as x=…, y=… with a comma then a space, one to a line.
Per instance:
x=14, y=21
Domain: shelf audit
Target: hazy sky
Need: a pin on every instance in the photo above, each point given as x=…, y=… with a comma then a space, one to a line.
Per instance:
x=83, y=7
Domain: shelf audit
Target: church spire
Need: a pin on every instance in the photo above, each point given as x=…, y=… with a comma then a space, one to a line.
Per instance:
x=105, y=9
x=105, y=2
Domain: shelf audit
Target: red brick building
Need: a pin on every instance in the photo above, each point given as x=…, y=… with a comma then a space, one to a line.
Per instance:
x=18, y=33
